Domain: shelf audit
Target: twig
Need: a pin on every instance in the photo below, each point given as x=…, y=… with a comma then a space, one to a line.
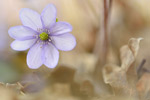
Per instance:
x=104, y=36
x=146, y=70
x=110, y=5
x=141, y=66
x=102, y=43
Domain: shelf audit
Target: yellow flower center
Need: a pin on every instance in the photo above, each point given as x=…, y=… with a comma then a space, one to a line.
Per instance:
x=56, y=19
x=44, y=36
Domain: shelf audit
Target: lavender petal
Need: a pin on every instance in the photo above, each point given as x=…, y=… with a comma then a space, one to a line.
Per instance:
x=51, y=56
x=34, y=56
x=48, y=16
x=21, y=33
x=61, y=28
x=31, y=18
x=22, y=45
x=64, y=42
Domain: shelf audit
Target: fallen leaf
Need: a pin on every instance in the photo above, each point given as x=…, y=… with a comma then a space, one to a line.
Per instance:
x=116, y=76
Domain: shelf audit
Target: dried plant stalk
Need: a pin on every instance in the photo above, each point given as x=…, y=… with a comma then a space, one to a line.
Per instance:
x=102, y=43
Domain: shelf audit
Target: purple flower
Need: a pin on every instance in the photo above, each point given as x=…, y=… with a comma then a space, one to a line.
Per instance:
x=43, y=35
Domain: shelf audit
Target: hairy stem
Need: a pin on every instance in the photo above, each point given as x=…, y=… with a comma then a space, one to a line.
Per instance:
x=141, y=66
x=102, y=43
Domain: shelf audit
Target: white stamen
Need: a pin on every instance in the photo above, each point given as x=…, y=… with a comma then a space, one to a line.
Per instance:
x=49, y=43
x=38, y=41
x=48, y=32
x=38, y=29
x=36, y=36
x=49, y=40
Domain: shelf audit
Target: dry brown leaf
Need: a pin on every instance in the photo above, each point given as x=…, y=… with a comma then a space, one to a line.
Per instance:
x=127, y=57
x=129, y=52
x=134, y=45
x=114, y=75
x=117, y=76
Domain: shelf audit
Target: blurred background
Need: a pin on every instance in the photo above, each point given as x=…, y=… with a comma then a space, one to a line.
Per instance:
x=73, y=78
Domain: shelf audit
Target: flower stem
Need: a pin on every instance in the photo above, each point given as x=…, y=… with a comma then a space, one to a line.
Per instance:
x=102, y=43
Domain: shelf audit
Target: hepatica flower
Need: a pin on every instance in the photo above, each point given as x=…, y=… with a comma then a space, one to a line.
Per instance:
x=44, y=35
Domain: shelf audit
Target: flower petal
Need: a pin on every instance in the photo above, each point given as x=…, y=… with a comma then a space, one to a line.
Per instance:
x=34, y=56
x=21, y=33
x=22, y=45
x=64, y=42
x=61, y=28
x=31, y=18
x=51, y=55
x=48, y=16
